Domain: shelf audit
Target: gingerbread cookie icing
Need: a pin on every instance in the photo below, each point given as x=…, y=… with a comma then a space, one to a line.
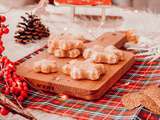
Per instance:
x=65, y=46
x=83, y=70
x=45, y=66
x=99, y=54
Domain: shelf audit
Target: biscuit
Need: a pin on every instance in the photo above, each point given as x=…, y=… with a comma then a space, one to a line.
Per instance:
x=113, y=50
x=131, y=37
x=99, y=54
x=132, y=100
x=153, y=92
x=65, y=45
x=73, y=53
x=65, y=42
x=83, y=70
x=149, y=98
x=66, y=54
x=45, y=66
x=151, y=105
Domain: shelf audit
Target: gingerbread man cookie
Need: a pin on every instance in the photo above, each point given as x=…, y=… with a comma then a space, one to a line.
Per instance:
x=45, y=66
x=83, y=70
x=99, y=54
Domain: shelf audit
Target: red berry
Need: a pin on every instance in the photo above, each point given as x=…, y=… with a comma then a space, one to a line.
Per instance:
x=20, y=98
x=7, y=91
x=14, y=84
x=17, y=90
x=1, y=49
x=1, y=32
x=1, y=74
x=10, y=82
x=3, y=59
x=25, y=88
x=24, y=94
x=24, y=84
x=4, y=111
x=8, y=76
x=2, y=18
x=16, y=78
x=6, y=79
x=12, y=89
x=1, y=42
x=5, y=30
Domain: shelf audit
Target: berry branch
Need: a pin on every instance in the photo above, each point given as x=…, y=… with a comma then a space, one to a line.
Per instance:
x=8, y=105
x=14, y=85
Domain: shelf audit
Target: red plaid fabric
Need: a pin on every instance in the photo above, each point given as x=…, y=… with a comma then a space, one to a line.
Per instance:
x=142, y=74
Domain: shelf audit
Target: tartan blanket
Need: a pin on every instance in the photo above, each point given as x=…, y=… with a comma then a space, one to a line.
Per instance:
x=142, y=74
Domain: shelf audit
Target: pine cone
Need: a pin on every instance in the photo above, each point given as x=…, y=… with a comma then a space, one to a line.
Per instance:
x=30, y=29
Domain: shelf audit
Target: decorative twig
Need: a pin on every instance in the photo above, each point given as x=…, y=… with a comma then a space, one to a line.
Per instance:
x=13, y=107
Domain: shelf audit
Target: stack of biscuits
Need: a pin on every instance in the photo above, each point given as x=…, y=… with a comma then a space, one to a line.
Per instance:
x=65, y=46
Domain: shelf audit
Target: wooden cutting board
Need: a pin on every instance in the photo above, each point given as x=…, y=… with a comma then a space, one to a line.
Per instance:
x=85, y=89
